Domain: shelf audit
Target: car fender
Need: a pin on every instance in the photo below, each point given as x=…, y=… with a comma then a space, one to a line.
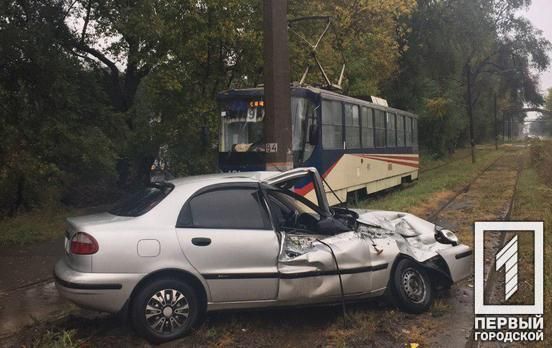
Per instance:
x=190, y=276
x=459, y=260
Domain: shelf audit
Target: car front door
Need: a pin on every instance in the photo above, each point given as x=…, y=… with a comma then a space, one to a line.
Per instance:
x=225, y=232
x=312, y=260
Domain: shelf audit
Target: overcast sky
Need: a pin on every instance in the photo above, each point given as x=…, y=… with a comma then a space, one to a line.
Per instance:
x=540, y=14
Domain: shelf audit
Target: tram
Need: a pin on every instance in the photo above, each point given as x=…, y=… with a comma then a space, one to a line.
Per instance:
x=358, y=147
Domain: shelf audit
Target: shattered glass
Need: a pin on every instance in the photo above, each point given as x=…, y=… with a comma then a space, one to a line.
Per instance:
x=296, y=245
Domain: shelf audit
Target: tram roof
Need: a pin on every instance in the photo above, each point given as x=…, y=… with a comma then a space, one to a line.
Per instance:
x=259, y=91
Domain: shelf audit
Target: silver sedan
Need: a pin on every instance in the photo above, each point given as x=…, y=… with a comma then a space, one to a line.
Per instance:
x=226, y=241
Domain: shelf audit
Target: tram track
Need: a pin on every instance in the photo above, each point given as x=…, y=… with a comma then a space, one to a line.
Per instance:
x=490, y=195
x=491, y=279
x=464, y=189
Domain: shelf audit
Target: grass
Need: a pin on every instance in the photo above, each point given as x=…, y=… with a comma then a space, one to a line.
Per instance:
x=440, y=307
x=35, y=226
x=429, y=161
x=435, y=185
x=57, y=339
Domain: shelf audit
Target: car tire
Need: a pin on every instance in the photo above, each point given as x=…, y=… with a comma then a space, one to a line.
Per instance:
x=164, y=310
x=412, y=287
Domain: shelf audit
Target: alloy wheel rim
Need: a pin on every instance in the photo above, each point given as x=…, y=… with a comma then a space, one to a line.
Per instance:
x=167, y=311
x=414, y=285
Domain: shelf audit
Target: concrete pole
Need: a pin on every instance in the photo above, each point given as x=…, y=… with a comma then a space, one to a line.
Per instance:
x=277, y=122
x=495, y=124
x=470, y=111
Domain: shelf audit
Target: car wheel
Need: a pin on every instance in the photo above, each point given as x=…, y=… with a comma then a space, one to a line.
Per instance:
x=164, y=310
x=412, y=287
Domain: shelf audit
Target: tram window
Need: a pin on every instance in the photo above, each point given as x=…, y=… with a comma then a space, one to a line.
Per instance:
x=332, y=125
x=400, y=130
x=367, y=121
x=303, y=116
x=379, y=125
x=352, y=126
x=391, y=130
x=408, y=131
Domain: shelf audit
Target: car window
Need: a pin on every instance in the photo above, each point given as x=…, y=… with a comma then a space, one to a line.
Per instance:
x=291, y=211
x=142, y=201
x=226, y=208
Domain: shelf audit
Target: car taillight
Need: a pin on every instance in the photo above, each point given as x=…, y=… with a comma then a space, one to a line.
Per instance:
x=83, y=244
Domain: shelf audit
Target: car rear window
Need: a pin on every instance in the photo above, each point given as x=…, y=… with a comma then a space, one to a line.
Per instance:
x=142, y=201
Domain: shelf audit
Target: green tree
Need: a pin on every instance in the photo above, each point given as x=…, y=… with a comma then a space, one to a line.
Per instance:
x=172, y=55
x=548, y=100
x=364, y=35
x=55, y=131
x=461, y=53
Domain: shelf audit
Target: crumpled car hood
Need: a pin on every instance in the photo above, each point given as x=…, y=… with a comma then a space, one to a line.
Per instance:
x=365, y=255
x=414, y=236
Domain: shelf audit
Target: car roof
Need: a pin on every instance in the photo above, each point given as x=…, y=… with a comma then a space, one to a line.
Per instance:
x=209, y=179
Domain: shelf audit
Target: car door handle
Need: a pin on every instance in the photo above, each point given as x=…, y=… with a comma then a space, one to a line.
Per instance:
x=201, y=241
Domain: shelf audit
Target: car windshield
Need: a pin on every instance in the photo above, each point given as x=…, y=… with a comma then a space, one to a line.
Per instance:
x=295, y=202
x=142, y=201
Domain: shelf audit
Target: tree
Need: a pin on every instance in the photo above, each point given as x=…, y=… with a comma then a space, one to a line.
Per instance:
x=364, y=35
x=515, y=48
x=176, y=52
x=548, y=100
x=55, y=134
x=462, y=52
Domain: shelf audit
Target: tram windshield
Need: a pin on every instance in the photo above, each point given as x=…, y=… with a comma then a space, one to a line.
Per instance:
x=242, y=123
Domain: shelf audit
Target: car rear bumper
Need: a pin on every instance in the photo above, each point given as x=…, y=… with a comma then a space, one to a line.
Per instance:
x=106, y=292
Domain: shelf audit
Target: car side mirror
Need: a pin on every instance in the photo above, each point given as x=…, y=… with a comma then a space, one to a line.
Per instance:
x=313, y=134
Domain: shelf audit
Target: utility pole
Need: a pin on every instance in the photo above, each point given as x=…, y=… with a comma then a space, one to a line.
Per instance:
x=495, y=124
x=470, y=110
x=277, y=100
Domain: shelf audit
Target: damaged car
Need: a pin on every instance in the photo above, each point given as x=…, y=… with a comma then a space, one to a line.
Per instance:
x=168, y=254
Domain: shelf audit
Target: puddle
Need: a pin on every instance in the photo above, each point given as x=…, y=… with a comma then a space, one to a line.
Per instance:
x=22, y=307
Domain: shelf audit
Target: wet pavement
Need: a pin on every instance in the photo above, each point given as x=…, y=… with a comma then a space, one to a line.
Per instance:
x=21, y=266
x=28, y=305
x=27, y=292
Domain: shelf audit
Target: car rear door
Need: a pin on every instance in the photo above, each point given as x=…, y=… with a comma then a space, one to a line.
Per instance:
x=225, y=233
